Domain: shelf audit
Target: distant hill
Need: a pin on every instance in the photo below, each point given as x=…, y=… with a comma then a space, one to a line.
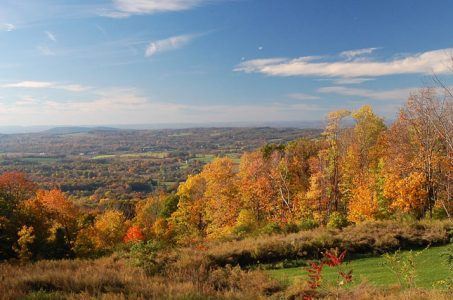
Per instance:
x=157, y=126
x=76, y=129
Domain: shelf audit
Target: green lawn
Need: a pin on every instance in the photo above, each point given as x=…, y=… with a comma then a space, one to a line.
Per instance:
x=430, y=267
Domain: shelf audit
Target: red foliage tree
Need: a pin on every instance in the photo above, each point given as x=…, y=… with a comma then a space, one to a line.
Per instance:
x=134, y=234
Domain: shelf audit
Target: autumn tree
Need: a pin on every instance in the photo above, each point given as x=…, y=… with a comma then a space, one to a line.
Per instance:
x=327, y=169
x=221, y=196
x=189, y=219
x=15, y=189
x=55, y=221
x=415, y=149
x=108, y=230
x=361, y=179
x=255, y=186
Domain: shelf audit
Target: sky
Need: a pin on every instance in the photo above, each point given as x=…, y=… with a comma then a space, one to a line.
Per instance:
x=88, y=62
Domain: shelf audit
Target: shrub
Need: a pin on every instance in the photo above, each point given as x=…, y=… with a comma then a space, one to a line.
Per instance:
x=308, y=224
x=402, y=266
x=290, y=228
x=366, y=238
x=271, y=228
x=145, y=256
x=337, y=220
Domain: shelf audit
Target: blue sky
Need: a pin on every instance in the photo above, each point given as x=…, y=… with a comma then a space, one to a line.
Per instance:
x=180, y=61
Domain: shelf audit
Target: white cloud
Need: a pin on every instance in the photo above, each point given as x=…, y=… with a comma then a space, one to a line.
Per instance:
x=421, y=63
x=302, y=96
x=351, y=54
x=51, y=36
x=126, y=8
x=7, y=27
x=45, y=85
x=29, y=85
x=72, y=87
x=395, y=94
x=356, y=80
x=171, y=43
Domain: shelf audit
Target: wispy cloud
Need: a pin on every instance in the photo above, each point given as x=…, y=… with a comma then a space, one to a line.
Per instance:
x=395, y=94
x=126, y=8
x=421, y=63
x=51, y=36
x=7, y=27
x=302, y=96
x=169, y=44
x=351, y=54
x=45, y=85
x=356, y=80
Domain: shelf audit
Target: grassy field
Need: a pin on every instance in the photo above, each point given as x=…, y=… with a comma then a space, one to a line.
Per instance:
x=430, y=267
x=207, y=158
x=159, y=155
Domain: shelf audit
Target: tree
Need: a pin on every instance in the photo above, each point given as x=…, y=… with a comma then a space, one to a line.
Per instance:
x=255, y=186
x=25, y=240
x=325, y=186
x=108, y=230
x=133, y=235
x=361, y=186
x=221, y=196
x=415, y=149
x=61, y=211
x=189, y=219
x=15, y=189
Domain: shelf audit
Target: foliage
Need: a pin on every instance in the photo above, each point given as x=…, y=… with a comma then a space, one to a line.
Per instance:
x=108, y=230
x=144, y=255
x=133, y=235
x=337, y=220
x=308, y=224
x=26, y=238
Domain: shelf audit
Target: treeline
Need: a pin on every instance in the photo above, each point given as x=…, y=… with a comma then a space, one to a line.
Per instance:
x=353, y=173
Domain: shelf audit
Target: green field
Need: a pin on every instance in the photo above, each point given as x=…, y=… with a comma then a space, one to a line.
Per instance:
x=158, y=155
x=207, y=158
x=430, y=267
x=41, y=160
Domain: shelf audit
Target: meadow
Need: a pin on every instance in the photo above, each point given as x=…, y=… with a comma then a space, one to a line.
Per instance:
x=429, y=265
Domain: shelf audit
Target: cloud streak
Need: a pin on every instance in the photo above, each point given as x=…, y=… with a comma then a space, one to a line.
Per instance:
x=396, y=94
x=51, y=36
x=421, y=63
x=126, y=8
x=45, y=85
x=169, y=44
x=351, y=54
x=7, y=27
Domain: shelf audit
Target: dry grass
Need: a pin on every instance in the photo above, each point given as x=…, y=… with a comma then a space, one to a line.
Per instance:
x=366, y=238
x=110, y=278
x=207, y=274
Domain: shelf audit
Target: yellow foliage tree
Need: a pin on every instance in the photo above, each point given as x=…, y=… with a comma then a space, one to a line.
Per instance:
x=108, y=230
x=189, y=219
x=222, y=197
